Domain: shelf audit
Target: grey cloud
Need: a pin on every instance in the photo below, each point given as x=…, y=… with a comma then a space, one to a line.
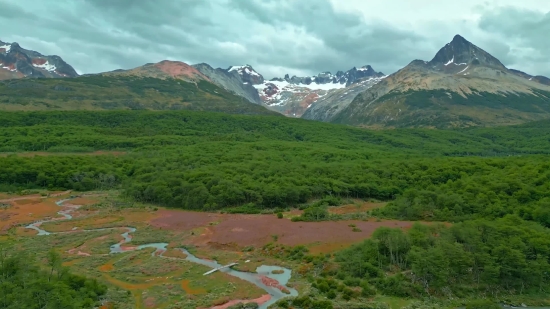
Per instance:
x=304, y=37
x=524, y=33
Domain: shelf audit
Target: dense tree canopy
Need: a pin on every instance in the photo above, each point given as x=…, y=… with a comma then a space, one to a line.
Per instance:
x=493, y=184
x=23, y=284
x=508, y=255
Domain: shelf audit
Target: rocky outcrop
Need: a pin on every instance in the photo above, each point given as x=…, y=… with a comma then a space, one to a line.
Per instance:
x=326, y=107
x=236, y=81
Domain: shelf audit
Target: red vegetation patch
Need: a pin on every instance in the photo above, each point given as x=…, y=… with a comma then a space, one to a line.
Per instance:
x=247, y=230
x=261, y=300
x=183, y=220
x=179, y=69
x=39, y=61
x=308, y=100
x=272, y=283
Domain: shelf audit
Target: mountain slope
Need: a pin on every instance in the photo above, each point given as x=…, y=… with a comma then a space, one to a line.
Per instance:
x=231, y=80
x=461, y=86
x=162, y=70
x=17, y=62
x=326, y=107
x=122, y=91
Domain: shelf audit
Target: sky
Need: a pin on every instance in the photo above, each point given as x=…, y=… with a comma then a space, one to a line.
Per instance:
x=276, y=37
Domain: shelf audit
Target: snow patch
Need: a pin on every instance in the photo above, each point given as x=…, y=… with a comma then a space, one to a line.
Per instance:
x=450, y=61
x=46, y=66
x=7, y=48
x=8, y=68
x=244, y=68
x=463, y=70
x=286, y=86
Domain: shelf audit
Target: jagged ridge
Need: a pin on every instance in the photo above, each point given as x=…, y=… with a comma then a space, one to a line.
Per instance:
x=17, y=62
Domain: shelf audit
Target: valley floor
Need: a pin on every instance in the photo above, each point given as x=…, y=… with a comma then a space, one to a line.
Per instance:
x=139, y=278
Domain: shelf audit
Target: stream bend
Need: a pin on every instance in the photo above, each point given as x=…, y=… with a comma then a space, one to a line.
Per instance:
x=273, y=284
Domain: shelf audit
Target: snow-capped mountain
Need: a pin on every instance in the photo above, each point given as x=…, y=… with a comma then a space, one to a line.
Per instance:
x=247, y=74
x=294, y=95
x=17, y=62
x=291, y=96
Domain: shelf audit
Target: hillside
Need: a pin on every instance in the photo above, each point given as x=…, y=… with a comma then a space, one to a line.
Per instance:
x=461, y=86
x=121, y=91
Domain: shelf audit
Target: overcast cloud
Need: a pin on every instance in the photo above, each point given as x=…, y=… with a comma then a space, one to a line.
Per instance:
x=299, y=37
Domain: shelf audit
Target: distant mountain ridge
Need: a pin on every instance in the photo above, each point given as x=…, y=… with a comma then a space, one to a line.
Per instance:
x=291, y=96
x=462, y=86
x=236, y=81
x=17, y=62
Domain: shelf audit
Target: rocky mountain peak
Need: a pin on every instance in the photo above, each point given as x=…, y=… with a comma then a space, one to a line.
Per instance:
x=461, y=52
x=247, y=74
x=17, y=62
x=339, y=80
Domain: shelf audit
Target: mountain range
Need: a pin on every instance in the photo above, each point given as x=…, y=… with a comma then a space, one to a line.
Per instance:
x=462, y=85
x=291, y=96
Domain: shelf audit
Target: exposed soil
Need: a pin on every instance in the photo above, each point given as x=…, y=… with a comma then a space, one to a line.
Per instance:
x=179, y=69
x=184, y=220
x=107, y=267
x=25, y=210
x=257, y=230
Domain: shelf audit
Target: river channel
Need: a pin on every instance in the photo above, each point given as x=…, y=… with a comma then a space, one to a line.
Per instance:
x=254, y=278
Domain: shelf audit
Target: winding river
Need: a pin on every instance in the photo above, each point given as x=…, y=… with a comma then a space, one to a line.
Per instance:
x=255, y=278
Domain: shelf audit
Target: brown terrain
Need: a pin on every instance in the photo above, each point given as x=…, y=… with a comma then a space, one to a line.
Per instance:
x=164, y=69
x=257, y=230
x=27, y=209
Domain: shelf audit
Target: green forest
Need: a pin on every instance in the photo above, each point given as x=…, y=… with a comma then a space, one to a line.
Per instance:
x=24, y=284
x=99, y=92
x=442, y=109
x=482, y=259
x=492, y=184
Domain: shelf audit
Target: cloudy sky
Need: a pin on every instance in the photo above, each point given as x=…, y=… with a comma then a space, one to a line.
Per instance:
x=299, y=37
